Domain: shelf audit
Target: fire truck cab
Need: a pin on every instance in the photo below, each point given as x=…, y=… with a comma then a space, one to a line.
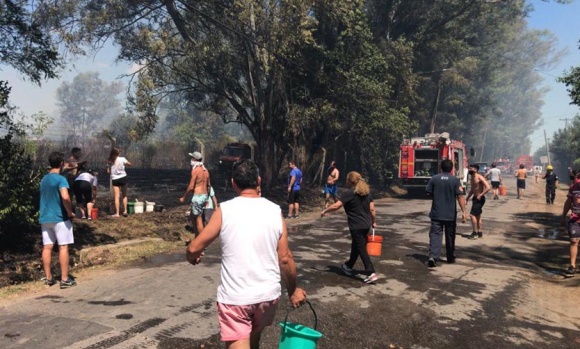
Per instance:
x=420, y=159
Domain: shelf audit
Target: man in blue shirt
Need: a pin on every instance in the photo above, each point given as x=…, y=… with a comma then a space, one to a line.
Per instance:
x=294, y=182
x=55, y=220
x=445, y=189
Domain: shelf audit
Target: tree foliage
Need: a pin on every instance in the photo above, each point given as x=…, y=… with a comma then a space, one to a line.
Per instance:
x=572, y=81
x=351, y=76
x=19, y=183
x=25, y=45
x=85, y=101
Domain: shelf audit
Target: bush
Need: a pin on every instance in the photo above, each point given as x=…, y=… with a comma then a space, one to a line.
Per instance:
x=19, y=187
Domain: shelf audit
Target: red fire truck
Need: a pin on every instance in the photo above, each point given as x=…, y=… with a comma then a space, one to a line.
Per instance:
x=528, y=163
x=504, y=165
x=420, y=158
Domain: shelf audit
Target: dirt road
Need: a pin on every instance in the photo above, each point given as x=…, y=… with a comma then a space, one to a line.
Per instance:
x=505, y=291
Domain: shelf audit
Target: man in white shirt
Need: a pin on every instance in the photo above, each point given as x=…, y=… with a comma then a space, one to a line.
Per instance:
x=255, y=257
x=495, y=175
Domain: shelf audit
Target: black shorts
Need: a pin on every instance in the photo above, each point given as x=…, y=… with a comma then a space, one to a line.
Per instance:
x=294, y=197
x=120, y=182
x=521, y=183
x=477, y=206
x=495, y=184
x=573, y=229
x=83, y=191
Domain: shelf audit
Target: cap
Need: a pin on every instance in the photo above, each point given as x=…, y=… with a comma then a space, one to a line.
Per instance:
x=195, y=155
x=549, y=167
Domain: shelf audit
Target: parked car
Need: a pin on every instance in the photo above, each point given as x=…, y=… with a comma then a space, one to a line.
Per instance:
x=483, y=167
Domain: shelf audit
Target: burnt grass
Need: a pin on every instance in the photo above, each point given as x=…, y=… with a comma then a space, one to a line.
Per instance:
x=20, y=262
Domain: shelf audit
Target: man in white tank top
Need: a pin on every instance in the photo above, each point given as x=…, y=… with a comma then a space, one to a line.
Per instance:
x=255, y=257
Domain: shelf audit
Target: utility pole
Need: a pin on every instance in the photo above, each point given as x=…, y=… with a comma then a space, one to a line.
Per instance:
x=547, y=147
x=566, y=123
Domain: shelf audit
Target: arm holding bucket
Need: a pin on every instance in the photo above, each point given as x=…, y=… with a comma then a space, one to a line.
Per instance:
x=373, y=215
x=288, y=269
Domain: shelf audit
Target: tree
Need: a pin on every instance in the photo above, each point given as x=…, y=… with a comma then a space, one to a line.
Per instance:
x=349, y=76
x=85, y=101
x=25, y=45
x=572, y=81
x=19, y=183
x=29, y=49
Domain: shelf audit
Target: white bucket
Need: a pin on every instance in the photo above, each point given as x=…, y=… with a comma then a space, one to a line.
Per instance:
x=139, y=206
x=149, y=206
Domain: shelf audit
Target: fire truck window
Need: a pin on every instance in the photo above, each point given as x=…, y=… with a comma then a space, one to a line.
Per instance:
x=426, y=162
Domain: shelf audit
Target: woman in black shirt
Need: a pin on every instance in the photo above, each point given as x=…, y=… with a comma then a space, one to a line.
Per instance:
x=360, y=211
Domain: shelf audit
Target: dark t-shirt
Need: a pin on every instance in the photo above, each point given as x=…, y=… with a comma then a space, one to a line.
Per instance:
x=551, y=179
x=358, y=209
x=444, y=188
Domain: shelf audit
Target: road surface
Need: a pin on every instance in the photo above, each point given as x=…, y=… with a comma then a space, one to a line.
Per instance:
x=505, y=291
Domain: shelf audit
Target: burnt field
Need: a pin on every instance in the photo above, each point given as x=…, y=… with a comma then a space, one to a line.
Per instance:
x=162, y=186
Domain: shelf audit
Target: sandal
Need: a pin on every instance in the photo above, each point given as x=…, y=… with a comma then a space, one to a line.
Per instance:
x=125, y=214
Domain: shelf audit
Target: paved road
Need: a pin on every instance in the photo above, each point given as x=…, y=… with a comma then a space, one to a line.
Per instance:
x=505, y=291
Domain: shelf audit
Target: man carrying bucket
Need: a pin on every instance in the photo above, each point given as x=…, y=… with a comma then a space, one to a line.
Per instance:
x=444, y=188
x=255, y=257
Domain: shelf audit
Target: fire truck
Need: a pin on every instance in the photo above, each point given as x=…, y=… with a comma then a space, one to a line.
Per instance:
x=504, y=165
x=420, y=159
x=528, y=163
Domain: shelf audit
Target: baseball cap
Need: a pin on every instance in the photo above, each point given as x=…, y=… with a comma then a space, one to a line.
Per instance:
x=195, y=155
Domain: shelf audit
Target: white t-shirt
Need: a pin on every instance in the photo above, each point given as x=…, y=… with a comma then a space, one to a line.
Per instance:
x=494, y=174
x=85, y=176
x=118, y=168
x=251, y=228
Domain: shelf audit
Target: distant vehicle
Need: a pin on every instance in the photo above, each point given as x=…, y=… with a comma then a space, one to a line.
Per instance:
x=229, y=155
x=504, y=165
x=483, y=167
x=528, y=163
x=420, y=159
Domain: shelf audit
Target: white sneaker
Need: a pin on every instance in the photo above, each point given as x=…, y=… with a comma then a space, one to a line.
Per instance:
x=371, y=278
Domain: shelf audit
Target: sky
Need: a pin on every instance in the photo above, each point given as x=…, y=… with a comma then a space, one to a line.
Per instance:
x=562, y=20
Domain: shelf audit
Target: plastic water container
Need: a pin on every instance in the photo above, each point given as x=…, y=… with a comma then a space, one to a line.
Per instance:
x=139, y=207
x=149, y=206
x=130, y=207
x=297, y=336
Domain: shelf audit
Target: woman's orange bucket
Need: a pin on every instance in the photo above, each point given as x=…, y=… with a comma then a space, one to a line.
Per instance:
x=374, y=244
x=502, y=190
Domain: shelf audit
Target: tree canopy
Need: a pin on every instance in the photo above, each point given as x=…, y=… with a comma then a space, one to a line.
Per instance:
x=351, y=76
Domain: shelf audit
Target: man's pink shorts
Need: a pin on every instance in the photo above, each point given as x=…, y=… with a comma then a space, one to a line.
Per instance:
x=238, y=321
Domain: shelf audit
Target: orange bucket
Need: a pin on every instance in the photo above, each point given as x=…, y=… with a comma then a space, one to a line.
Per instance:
x=94, y=213
x=374, y=244
x=502, y=190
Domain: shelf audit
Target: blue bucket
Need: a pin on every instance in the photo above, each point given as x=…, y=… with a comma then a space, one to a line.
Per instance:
x=297, y=336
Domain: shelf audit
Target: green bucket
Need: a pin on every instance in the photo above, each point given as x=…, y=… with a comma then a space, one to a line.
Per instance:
x=297, y=336
x=131, y=207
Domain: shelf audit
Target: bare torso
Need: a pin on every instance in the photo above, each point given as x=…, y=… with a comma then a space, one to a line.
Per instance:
x=332, y=177
x=521, y=174
x=478, y=184
x=199, y=181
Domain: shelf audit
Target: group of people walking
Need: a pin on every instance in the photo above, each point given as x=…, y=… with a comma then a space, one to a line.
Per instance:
x=447, y=191
x=252, y=230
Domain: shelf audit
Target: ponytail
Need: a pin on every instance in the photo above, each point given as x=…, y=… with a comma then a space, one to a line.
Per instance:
x=361, y=187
